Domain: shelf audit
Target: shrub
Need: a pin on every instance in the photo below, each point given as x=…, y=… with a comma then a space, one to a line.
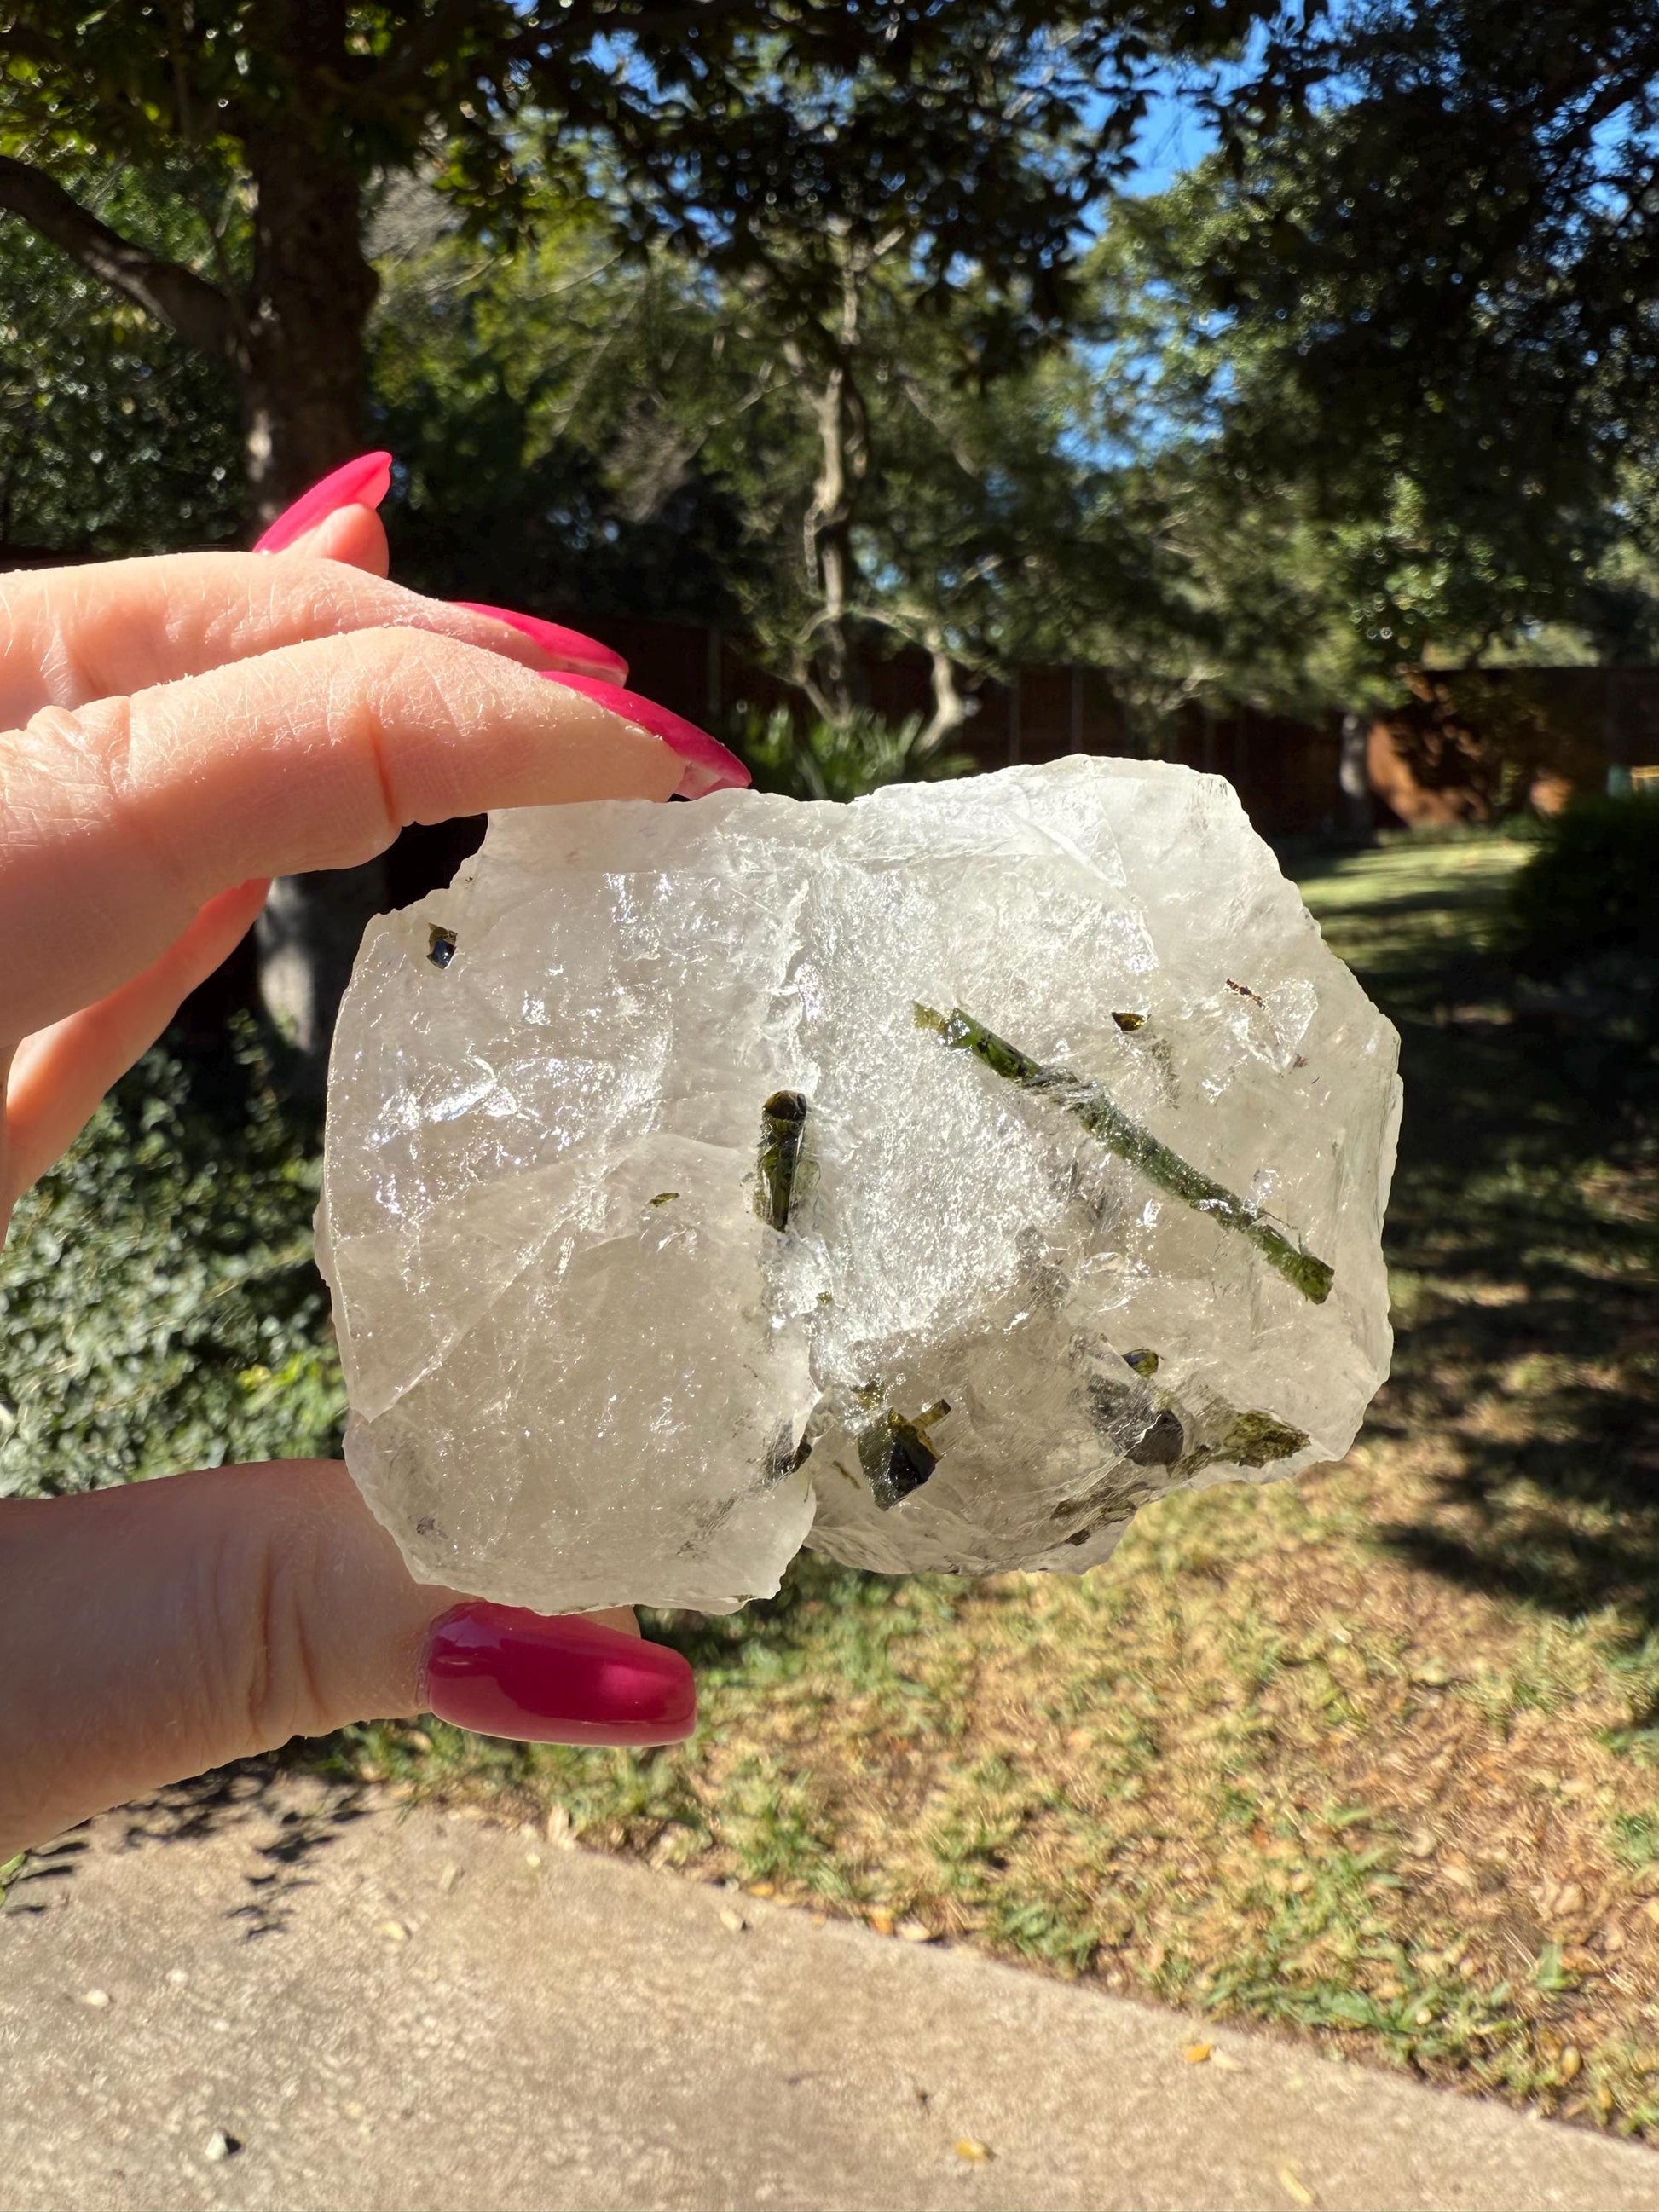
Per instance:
x=1591, y=888
x=158, y=1305
x=826, y=760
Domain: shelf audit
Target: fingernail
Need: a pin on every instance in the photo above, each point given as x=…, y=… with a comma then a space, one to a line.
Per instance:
x=586, y=655
x=499, y=1670
x=708, y=765
x=361, y=482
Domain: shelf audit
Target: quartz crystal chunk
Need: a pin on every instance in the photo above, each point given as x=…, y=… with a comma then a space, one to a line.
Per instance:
x=933, y=1180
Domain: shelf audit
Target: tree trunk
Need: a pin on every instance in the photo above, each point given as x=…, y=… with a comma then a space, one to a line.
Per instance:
x=950, y=710
x=304, y=385
x=1357, y=818
x=829, y=556
x=305, y=379
x=824, y=667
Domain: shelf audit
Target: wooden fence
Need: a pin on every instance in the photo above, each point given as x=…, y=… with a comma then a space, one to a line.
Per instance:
x=1284, y=771
x=1452, y=753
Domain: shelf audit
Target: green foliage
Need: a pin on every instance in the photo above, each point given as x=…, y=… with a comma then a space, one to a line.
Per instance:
x=114, y=437
x=723, y=327
x=775, y=147
x=548, y=408
x=158, y=1307
x=747, y=123
x=1592, y=887
x=768, y=344
x=1402, y=311
x=1635, y=1837
x=634, y=432
x=841, y=760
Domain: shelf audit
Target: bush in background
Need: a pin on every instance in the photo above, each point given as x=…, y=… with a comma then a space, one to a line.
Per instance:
x=158, y=1305
x=1591, y=888
x=840, y=760
x=1584, y=939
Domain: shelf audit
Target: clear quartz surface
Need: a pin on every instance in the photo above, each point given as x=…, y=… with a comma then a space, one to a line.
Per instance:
x=1079, y=1136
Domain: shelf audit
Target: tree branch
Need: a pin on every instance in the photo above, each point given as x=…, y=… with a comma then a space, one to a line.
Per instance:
x=199, y=312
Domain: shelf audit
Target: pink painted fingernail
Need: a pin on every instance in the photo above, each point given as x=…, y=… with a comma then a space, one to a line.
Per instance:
x=361, y=482
x=501, y=1671
x=708, y=765
x=585, y=656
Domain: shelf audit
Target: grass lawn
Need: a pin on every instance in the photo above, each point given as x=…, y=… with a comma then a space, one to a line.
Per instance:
x=1375, y=1757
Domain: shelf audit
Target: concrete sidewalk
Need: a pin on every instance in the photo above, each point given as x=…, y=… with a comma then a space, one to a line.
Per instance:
x=275, y=1996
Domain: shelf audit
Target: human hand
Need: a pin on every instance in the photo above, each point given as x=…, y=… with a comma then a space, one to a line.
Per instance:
x=179, y=730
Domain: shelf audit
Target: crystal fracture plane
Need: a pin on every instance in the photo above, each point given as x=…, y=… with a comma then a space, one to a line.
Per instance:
x=933, y=1180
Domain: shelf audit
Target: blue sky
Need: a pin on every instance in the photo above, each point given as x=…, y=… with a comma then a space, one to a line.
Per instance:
x=1171, y=139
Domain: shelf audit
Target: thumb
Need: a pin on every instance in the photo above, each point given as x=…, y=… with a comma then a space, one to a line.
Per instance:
x=155, y=1631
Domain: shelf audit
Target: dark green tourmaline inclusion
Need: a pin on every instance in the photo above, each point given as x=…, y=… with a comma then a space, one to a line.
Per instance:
x=896, y=1455
x=1115, y=1407
x=783, y=1121
x=1088, y=1103
x=1259, y=1439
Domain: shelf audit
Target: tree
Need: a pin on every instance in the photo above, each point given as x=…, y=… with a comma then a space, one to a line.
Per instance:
x=1397, y=340
x=551, y=408
x=790, y=140
x=629, y=430
x=920, y=498
x=925, y=267
x=1424, y=266
x=791, y=145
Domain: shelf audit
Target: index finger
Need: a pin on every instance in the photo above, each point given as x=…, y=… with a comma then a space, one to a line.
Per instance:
x=118, y=822
x=70, y=635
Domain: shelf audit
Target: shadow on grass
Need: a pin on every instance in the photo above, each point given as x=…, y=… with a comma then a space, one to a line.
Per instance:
x=1521, y=1238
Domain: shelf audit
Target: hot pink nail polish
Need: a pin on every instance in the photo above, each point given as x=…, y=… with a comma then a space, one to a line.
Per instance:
x=708, y=765
x=361, y=482
x=585, y=656
x=499, y=1670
